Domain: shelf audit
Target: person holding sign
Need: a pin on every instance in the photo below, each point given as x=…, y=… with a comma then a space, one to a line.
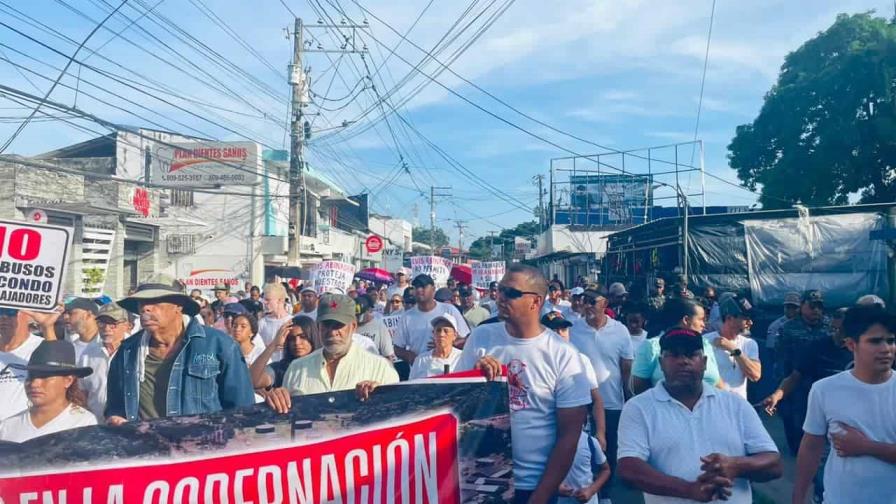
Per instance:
x=175, y=365
x=442, y=359
x=414, y=334
x=340, y=364
x=56, y=401
x=16, y=346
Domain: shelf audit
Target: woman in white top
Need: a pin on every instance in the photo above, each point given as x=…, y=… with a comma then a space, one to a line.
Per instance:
x=244, y=330
x=56, y=402
x=443, y=357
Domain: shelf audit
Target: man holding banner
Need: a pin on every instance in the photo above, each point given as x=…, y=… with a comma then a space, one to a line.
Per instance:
x=338, y=365
x=414, y=334
x=547, y=384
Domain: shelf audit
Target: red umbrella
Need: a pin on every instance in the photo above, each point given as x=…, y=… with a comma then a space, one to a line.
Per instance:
x=375, y=275
x=462, y=273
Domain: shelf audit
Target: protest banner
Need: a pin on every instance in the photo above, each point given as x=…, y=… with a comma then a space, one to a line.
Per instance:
x=435, y=441
x=485, y=273
x=438, y=268
x=393, y=259
x=33, y=258
x=332, y=277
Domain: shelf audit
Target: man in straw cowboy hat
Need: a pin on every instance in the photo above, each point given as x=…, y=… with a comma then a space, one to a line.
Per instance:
x=55, y=401
x=175, y=365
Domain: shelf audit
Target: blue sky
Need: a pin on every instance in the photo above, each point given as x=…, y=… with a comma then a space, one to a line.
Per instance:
x=623, y=74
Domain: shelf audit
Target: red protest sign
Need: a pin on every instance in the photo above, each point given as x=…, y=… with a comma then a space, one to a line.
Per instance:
x=33, y=258
x=373, y=244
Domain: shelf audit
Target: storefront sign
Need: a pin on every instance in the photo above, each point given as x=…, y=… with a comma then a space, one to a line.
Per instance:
x=438, y=268
x=140, y=201
x=33, y=258
x=445, y=440
x=373, y=244
x=204, y=164
x=332, y=277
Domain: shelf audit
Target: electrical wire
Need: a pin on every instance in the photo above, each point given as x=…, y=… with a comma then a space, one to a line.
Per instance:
x=65, y=69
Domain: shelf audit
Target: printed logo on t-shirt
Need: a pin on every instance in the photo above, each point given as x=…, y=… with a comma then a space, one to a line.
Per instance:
x=519, y=392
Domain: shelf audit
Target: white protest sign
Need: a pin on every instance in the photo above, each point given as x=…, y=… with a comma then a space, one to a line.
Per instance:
x=486, y=272
x=332, y=277
x=438, y=268
x=33, y=258
x=391, y=323
x=393, y=259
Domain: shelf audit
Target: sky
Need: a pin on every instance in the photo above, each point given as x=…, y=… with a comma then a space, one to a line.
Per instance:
x=619, y=75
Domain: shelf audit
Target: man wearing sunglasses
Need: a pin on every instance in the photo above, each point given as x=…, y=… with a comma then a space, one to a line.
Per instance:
x=16, y=346
x=548, y=387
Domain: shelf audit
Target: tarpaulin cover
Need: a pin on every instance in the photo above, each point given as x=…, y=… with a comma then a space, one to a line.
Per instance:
x=718, y=257
x=831, y=253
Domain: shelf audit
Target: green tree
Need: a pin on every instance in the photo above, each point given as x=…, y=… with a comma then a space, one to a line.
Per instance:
x=421, y=235
x=827, y=128
x=481, y=249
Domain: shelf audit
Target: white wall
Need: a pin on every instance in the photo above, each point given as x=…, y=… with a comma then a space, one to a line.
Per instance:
x=559, y=238
x=397, y=231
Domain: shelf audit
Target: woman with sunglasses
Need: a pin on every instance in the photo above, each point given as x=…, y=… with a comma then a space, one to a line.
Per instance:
x=395, y=305
x=678, y=313
x=296, y=338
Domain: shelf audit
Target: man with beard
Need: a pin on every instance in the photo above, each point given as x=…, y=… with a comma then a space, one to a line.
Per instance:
x=80, y=321
x=686, y=441
x=339, y=364
x=175, y=365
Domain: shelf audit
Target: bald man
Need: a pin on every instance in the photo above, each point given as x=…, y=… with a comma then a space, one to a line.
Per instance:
x=549, y=390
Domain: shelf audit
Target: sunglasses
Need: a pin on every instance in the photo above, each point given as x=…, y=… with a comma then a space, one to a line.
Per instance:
x=511, y=293
x=590, y=301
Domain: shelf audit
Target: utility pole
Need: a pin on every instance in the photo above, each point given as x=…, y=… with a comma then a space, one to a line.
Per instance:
x=300, y=129
x=491, y=244
x=433, y=194
x=296, y=148
x=539, y=181
x=461, y=225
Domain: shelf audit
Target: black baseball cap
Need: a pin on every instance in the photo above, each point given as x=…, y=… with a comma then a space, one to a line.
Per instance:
x=554, y=320
x=465, y=291
x=422, y=280
x=681, y=340
x=80, y=303
x=812, y=296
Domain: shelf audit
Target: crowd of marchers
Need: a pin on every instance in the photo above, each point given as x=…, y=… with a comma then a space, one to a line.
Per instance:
x=605, y=388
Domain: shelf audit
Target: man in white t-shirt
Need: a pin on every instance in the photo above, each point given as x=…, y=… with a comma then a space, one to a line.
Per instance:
x=548, y=387
x=685, y=441
x=635, y=321
x=443, y=357
x=308, y=301
x=490, y=303
x=736, y=355
x=414, y=333
x=16, y=346
x=373, y=328
x=275, y=315
x=855, y=410
x=80, y=322
x=555, y=302
x=400, y=285
x=115, y=326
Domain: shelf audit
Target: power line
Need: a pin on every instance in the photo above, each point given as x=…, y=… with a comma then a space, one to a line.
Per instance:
x=65, y=69
x=712, y=14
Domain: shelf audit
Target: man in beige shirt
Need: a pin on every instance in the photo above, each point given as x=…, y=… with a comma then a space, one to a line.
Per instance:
x=338, y=364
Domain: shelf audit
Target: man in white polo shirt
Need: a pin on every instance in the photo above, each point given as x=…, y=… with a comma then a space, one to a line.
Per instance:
x=685, y=441
x=548, y=387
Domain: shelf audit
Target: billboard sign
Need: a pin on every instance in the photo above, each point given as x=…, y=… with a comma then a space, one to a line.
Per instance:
x=610, y=199
x=206, y=164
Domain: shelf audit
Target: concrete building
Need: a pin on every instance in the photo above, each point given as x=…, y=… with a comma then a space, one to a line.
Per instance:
x=568, y=252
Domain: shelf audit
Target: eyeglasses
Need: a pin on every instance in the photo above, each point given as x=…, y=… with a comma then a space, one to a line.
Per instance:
x=511, y=293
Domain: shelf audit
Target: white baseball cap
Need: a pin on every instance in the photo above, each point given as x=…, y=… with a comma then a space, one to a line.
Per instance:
x=447, y=318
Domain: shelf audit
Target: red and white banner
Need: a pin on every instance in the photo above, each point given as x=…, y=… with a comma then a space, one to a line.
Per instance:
x=33, y=258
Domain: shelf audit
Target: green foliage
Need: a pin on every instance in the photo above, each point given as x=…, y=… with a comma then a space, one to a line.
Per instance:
x=827, y=128
x=421, y=235
x=93, y=278
x=480, y=249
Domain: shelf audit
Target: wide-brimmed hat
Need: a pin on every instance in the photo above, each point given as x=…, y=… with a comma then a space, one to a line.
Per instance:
x=160, y=288
x=54, y=358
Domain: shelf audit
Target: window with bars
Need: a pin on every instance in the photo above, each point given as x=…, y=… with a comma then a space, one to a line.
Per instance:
x=181, y=198
x=181, y=244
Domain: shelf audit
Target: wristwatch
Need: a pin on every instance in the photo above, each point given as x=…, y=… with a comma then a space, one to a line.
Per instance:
x=735, y=353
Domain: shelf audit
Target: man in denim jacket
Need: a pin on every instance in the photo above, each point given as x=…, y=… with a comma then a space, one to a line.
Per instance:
x=175, y=365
